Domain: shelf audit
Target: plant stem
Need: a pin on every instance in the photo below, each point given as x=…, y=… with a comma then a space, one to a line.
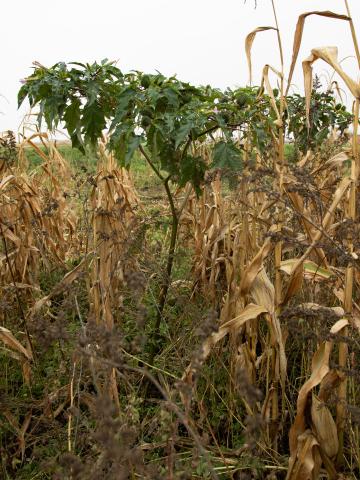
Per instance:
x=171, y=252
x=353, y=33
x=278, y=246
x=341, y=411
x=169, y=264
x=153, y=167
x=349, y=276
x=278, y=37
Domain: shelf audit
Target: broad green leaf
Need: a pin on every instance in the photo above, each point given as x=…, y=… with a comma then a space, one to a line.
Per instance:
x=92, y=91
x=72, y=115
x=123, y=105
x=76, y=142
x=182, y=133
x=118, y=141
x=93, y=122
x=53, y=108
x=132, y=146
x=153, y=94
x=192, y=169
x=227, y=155
x=172, y=97
x=23, y=92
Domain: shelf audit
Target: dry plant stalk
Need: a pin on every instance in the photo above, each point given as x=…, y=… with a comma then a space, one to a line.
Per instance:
x=318, y=451
x=321, y=441
x=113, y=198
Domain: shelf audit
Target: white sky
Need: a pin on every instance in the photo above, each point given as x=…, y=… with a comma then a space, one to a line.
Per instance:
x=202, y=41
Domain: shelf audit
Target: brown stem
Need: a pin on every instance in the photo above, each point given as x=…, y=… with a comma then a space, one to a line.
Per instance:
x=171, y=252
x=279, y=37
x=169, y=266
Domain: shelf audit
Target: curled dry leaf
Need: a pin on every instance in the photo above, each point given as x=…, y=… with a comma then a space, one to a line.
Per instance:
x=299, y=33
x=339, y=325
x=320, y=373
x=18, y=351
x=331, y=381
x=250, y=312
x=249, y=40
x=320, y=367
x=255, y=265
x=8, y=338
x=5, y=181
x=306, y=465
x=311, y=270
x=324, y=427
x=330, y=56
x=265, y=81
x=64, y=283
x=263, y=292
x=295, y=283
x=337, y=159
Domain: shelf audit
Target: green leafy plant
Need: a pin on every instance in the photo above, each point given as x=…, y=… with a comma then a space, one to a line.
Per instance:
x=166, y=119
x=325, y=114
x=161, y=117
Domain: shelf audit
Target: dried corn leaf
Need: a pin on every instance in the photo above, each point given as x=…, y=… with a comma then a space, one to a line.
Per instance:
x=320, y=367
x=265, y=81
x=249, y=40
x=320, y=371
x=299, y=33
x=295, y=283
x=250, y=311
x=337, y=159
x=254, y=267
x=324, y=427
x=8, y=338
x=330, y=56
x=339, y=325
x=331, y=381
x=306, y=465
x=311, y=270
x=5, y=181
x=263, y=291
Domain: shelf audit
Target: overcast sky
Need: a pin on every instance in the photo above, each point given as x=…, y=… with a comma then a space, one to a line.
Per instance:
x=202, y=41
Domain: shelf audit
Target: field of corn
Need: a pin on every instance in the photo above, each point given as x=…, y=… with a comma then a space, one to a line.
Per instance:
x=180, y=296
